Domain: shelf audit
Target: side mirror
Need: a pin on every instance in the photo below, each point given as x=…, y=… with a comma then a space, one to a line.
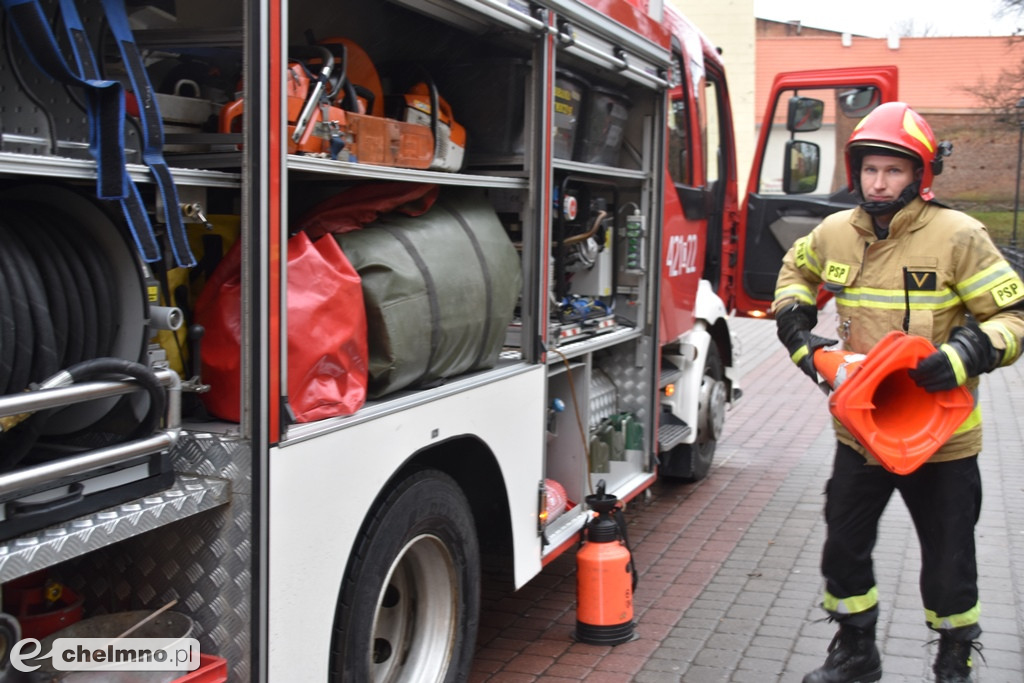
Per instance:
x=858, y=102
x=804, y=115
x=803, y=161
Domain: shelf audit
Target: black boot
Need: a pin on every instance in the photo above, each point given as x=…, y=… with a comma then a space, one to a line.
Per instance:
x=852, y=658
x=954, y=662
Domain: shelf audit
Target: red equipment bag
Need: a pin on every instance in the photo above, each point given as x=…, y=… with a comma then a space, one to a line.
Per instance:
x=327, y=343
x=363, y=204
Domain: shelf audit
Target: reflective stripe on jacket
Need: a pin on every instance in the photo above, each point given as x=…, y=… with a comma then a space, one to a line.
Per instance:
x=936, y=266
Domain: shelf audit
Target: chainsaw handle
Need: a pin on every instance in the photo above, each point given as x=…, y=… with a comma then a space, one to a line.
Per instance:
x=307, y=52
x=228, y=113
x=431, y=87
x=327, y=65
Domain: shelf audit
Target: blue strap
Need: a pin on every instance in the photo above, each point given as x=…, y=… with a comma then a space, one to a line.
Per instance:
x=105, y=108
x=132, y=207
x=152, y=129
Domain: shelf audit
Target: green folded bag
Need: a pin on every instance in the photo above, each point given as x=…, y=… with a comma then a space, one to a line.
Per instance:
x=440, y=290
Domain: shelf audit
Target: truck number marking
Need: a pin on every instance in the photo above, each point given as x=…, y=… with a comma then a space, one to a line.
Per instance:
x=682, y=254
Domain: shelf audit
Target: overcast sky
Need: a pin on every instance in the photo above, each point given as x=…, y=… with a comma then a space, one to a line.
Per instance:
x=877, y=18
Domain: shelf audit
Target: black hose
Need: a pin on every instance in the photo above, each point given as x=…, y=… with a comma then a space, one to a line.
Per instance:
x=21, y=442
x=78, y=293
x=53, y=270
x=98, y=271
x=100, y=368
x=60, y=308
x=24, y=334
x=44, y=352
x=7, y=331
x=88, y=344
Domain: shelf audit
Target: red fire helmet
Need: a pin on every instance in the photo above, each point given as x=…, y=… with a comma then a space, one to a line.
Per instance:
x=895, y=127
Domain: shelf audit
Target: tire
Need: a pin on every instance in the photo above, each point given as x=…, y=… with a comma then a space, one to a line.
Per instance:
x=692, y=462
x=410, y=602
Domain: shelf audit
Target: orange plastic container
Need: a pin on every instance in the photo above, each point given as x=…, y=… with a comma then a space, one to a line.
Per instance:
x=898, y=422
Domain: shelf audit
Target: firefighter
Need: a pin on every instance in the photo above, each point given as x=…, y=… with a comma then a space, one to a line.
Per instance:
x=900, y=260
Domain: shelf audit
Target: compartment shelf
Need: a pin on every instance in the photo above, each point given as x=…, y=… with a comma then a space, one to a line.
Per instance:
x=85, y=169
x=189, y=495
x=369, y=171
x=599, y=170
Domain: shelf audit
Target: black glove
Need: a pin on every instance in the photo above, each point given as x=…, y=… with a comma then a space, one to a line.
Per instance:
x=968, y=353
x=793, y=325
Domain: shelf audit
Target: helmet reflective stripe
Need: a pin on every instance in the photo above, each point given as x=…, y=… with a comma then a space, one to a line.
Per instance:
x=914, y=130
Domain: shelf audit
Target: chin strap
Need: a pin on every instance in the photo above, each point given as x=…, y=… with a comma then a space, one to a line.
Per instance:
x=888, y=208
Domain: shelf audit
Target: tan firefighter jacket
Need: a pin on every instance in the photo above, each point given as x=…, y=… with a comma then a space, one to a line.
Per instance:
x=936, y=266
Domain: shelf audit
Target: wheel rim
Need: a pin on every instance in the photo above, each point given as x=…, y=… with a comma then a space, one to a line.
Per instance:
x=712, y=408
x=414, y=623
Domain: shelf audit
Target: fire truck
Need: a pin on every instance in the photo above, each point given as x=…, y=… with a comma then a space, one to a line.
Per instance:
x=313, y=311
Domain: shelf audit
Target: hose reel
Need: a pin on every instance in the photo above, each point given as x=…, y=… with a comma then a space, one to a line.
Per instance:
x=72, y=296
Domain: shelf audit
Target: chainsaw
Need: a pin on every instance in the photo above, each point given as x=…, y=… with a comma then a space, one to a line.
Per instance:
x=330, y=121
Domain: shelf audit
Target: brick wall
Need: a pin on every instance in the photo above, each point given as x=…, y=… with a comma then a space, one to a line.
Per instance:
x=982, y=170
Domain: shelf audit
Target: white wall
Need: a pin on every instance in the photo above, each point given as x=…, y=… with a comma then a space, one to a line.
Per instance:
x=730, y=25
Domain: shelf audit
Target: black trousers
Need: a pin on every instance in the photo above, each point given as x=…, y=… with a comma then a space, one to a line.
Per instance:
x=944, y=500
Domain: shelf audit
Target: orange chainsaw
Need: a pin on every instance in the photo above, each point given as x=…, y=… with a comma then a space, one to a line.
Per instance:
x=319, y=126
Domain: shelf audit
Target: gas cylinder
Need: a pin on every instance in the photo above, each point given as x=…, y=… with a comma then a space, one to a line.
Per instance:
x=604, y=576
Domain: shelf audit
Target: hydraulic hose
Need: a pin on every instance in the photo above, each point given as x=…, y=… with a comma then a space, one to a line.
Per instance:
x=21, y=442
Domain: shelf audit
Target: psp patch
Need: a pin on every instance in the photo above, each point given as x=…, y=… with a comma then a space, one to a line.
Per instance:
x=921, y=281
x=1008, y=291
x=836, y=273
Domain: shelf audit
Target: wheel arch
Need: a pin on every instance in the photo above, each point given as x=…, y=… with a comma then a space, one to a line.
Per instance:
x=712, y=315
x=474, y=467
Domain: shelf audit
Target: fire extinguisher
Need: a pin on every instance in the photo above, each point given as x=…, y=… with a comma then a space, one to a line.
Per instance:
x=605, y=575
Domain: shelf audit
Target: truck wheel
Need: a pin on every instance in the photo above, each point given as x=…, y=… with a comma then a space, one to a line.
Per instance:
x=410, y=602
x=692, y=462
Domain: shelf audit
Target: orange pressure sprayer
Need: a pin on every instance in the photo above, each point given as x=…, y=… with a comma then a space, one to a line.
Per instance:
x=605, y=576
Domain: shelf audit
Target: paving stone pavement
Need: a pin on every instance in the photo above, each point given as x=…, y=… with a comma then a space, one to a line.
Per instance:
x=729, y=583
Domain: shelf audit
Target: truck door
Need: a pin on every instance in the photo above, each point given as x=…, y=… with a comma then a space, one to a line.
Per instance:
x=798, y=174
x=701, y=168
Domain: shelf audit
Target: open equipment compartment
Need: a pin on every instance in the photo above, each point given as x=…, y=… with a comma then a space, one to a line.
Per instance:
x=270, y=109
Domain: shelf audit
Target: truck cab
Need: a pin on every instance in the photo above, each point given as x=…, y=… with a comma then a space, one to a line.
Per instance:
x=798, y=175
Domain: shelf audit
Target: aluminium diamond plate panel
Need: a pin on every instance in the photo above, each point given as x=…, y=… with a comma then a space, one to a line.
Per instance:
x=191, y=543
x=188, y=496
